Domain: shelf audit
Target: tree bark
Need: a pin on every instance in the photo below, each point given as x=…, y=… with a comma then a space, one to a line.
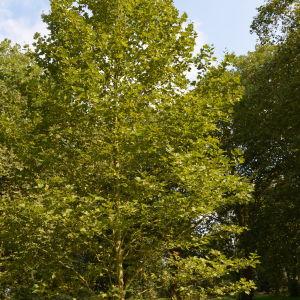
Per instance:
x=120, y=269
x=294, y=286
x=244, y=296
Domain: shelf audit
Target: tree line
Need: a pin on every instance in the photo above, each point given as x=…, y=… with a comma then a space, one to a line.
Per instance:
x=121, y=178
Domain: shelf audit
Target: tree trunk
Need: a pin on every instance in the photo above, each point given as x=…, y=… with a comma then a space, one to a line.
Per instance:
x=120, y=270
x=249, y=275
x=244, y=296
x=293, y=286
x=246, y=245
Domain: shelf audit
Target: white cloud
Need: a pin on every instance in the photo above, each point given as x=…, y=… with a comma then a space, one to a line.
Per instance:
x=200, y=40
x=28, y=3
x=19, y=31
x=17, y=27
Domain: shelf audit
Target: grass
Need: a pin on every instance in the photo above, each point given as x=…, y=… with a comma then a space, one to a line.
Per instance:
x=267, y=297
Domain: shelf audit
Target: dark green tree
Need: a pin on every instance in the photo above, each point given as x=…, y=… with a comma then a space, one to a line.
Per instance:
x=267, y=128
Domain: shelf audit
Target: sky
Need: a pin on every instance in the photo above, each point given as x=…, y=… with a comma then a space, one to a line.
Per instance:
x=223, y=23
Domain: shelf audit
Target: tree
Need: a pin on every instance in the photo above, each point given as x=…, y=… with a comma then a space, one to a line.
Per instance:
x=18, y=80
x=276, y=20
x=18, y=76
x=127, y=167
x=267, y=128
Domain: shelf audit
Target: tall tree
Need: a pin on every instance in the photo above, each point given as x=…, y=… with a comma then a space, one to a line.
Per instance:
x=128, y=173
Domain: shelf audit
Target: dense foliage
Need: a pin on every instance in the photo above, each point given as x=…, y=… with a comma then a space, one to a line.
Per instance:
x=267, y=127
x=112, y=171
x=120, y=178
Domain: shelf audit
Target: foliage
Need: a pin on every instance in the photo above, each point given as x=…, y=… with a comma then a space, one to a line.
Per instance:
x=276, y=19
x=267, y=128
x=123, y=172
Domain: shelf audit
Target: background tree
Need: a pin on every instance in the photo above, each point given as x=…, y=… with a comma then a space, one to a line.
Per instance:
x=19, y=76
x=267, y=128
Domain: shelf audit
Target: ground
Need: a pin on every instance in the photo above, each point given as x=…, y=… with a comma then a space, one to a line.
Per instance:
x=268, y=297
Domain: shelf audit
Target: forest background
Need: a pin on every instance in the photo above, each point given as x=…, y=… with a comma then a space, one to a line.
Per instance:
x=134, y=166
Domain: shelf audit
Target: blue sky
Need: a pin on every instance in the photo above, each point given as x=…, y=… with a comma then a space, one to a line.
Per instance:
x=224, y=23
